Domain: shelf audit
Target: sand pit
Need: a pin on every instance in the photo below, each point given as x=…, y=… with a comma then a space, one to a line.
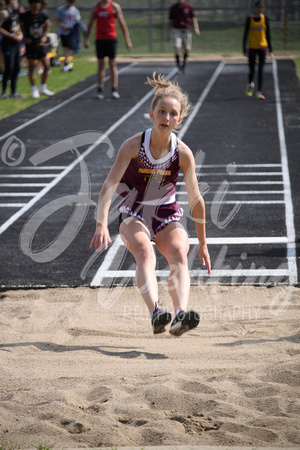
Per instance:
x=81, y=368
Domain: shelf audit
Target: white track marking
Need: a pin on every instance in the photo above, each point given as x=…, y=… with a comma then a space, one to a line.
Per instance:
x=17, y=194
x=242, y=202
x=39, y=167
x=230, y=273
x=289, y=212
x=22, y=185
x=12, y=205
x=201, y=99
x=27, y=175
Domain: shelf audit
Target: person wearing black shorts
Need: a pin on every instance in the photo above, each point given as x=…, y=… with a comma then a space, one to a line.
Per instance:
x=67, y=17
x=105, y=14
x=36, y=25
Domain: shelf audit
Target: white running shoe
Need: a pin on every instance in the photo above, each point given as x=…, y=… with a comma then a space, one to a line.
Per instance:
x=35, y=94
x=17, y=95
x=46, y=92
x=67, y=67
x=115, y=94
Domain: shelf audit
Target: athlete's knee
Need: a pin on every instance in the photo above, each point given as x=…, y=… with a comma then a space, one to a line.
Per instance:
x=177, y=254
x=143, y=252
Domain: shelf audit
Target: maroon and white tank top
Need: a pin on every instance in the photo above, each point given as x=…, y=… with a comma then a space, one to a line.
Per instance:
x=148, y=180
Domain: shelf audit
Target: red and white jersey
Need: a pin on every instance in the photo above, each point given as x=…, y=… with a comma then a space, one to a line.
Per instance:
x=106, y=22
x=150, y=181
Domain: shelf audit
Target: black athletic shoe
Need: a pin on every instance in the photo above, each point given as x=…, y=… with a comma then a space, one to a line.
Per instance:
x=184, y=321
x=159, y=320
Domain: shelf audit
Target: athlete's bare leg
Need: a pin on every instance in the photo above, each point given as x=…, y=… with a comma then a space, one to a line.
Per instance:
x=173, y=243
x=136, y=238
x=101, y=73
x=114, y=76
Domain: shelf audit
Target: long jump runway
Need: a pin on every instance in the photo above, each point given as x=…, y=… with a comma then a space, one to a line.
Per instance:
x=56, y=155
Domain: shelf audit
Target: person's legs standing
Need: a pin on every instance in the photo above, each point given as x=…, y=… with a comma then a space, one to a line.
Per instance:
x=15, y=70
x=177, y=39
x=187, y=46
x=261, y=63
x=251, y=65
x=252, y=59
x=7, y=68
x=46, y=65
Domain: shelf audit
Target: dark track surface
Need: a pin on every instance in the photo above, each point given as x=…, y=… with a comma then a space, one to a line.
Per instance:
x=240, y=141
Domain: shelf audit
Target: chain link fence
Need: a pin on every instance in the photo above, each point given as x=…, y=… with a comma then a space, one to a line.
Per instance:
x=221, y=24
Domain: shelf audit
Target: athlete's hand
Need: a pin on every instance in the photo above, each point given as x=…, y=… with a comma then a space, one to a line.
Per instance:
x=204, y=257
x=87, y=43
x=18, y=37
x=101, y=237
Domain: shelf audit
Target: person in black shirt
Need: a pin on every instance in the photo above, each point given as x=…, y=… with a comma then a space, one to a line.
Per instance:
x=11, y=37
x=36, y=25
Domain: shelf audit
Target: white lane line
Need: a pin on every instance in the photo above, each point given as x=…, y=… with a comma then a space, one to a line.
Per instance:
x=23, y=184
x=231, y=273
x=12, y=205
x=201, y=99
x=182, y=183
x=243, y=240
x=68, y=169
x=211, y=166
x=289, y=212
x=17, y=194
x=34, y=175
x=97, y=280
x=238, y=192
x=240, y=174
x=61, y=105
x=39, y=167
x=242, y=202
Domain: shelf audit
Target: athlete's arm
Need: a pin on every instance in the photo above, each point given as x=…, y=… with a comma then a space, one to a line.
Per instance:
x=268, y=37
x=47, y=26
x=128, y=150
x=246, y=31
x=14, y=37
x=196, y=26
x=196, y=202
x=119, y=15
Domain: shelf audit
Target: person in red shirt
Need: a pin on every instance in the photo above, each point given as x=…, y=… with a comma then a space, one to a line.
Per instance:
x=181, y=16
x=105, y=13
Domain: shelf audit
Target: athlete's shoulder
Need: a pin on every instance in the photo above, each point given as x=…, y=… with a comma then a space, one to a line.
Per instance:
x=185, y=154
x=116, y=8
x=4, y=15
x=131, y=146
